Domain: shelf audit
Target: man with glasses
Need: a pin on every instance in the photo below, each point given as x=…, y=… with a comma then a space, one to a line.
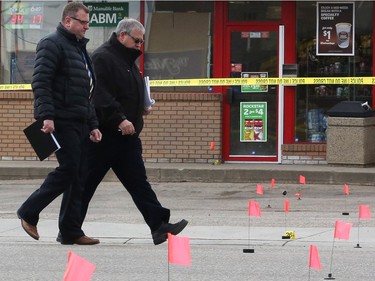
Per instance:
x=62, y=84
x=119, y=104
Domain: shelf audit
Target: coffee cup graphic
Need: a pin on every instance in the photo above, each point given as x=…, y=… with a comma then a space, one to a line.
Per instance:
x=343, y=34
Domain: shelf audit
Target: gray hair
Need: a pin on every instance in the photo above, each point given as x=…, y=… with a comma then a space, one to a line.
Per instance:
x=127, y=25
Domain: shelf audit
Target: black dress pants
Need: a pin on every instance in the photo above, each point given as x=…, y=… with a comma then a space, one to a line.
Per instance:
x=124, y=155
x=67, y=178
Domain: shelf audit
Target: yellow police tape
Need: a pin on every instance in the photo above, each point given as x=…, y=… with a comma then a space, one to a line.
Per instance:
x=238, y=82
x=262, y=81
x=15, y=87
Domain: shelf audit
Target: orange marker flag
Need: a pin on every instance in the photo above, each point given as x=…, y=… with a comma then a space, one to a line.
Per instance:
x=364, y=212
x=286, y=205
x=179, y=250
x=314, y=258
x=212, y=145
x=254, y=209
x=302, y=180
x=78, y=268
x=346, y=189
x=259, y=189
x=272, y=183
x=342, y=230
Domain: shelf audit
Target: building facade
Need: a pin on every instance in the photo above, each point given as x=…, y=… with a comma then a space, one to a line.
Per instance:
x=207, y=40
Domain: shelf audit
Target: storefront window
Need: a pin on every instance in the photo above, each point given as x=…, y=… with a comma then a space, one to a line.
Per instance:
x=313, y=101
x=24, y=23
x=254, y=10
x=178, y=41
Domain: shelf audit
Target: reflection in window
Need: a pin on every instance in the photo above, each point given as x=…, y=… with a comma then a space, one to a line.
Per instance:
x=254, y=10
x=22, y=26
x=24, y=23
x=313, y=101
x=178, y=41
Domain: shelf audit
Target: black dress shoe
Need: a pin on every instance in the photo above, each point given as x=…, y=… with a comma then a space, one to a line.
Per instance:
x=59, y=237
x=161, y=234
x=83, y=240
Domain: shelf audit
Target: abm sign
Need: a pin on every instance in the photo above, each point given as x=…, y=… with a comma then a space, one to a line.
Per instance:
x=107, y=14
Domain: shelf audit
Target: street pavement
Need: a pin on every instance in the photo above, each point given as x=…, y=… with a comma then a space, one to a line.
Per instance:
x=219, y=230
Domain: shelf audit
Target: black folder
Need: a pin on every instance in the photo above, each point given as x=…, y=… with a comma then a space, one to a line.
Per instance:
x=43, y=144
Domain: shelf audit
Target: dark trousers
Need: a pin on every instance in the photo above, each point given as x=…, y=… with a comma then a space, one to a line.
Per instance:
x=67, y=178
x=124, y=155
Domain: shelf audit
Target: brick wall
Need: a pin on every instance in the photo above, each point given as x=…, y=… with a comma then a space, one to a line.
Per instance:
x=307, y=153
x=16, y=112
x=180, y=128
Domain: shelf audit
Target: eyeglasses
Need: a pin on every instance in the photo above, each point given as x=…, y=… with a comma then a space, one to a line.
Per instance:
x=137, y=40
x=83, y=22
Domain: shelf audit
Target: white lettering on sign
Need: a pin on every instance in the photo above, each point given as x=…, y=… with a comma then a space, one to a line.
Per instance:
x=103, y=18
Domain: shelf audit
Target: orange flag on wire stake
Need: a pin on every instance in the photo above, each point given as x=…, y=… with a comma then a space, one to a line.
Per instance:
x=364, y=212
x=212, y=145
x=314, y=261
x=78, y=269
x=272, y=183
x=342, y=230
x=302, y=180
x=259, y=189
x=346, y=189
x=254, y=209
x=286, y=205
x=179, y=250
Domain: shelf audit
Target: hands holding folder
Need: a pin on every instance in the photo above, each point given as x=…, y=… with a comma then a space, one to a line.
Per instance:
x=41, y=137
x=43, y=143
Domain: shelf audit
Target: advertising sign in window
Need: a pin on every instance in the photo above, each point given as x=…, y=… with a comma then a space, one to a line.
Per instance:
x=253, y=118
x=254, y=88
x=335, y=29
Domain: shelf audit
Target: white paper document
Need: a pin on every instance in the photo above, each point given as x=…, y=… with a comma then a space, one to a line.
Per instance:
x=148, y=100
x=56, y=142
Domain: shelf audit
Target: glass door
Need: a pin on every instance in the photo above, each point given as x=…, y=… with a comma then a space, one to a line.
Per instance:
x=251, y=111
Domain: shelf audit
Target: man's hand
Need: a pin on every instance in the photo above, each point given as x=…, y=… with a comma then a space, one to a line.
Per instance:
x=147, y=111
x=126, y=127
x=95, y=135
x=48, y=126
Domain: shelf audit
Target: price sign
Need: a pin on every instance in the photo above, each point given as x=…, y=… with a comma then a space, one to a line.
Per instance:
x=327, y=34
x=28, y=15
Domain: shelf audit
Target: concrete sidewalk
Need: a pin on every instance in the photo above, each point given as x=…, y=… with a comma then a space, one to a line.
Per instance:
x=228, y=172
x=219, y=230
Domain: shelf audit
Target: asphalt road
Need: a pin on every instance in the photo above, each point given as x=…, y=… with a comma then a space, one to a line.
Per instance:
x=219, y=230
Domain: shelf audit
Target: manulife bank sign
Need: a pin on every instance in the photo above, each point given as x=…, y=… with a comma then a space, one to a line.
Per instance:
x=107, y=14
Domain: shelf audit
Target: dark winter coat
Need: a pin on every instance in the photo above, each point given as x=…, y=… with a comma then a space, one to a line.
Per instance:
x=119, y=92
x=60, y=81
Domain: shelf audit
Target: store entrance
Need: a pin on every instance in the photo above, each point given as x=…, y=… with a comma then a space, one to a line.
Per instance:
x=250, y=130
